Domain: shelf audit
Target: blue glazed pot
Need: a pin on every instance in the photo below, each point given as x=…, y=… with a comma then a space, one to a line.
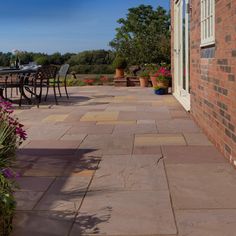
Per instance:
x=160, y=91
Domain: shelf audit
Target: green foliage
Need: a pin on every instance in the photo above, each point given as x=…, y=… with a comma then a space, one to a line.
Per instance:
x=144, y=36
x=119, y=62
x=90, y=80
x=94, y=57
x=158, y=87
x=7, y=205
x=92, y=69
x=144, y=73
x=43, y=60
x=5, y=59
x=87, y=62
x=75, y=82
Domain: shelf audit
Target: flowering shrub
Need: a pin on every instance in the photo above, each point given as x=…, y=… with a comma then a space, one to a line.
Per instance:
x=104, y=79
x=12, y=135
x=163, y=74
x=89, y=81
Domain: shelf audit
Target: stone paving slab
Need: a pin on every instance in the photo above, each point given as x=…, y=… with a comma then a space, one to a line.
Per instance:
x=127, y=115
x=55, y=118
x=139, y=173
x=135, y=129
x=191, y=155
x=220, y=222
x=177, y=126
x=147, y=150
x=42, y=223
x=202, y=186
x=26, y=200
x=125, y=213
x=159, y=139
x=47, y=132
x=93, y=129
x=39, y=184
x=65, y=194
x=197, y=139
x=117, y=122
x=100, y=116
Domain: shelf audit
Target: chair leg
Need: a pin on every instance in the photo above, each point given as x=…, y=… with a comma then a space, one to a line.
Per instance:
x=46, y=96
x=58, y=85
x=55, y=95
x=66, y=88
x=39, y=96
x=11, y=88
x=6, y=93
x=20, y=102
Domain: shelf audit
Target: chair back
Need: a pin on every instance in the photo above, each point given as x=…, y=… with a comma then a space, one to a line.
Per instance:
x=46, y=72
x=64, y=70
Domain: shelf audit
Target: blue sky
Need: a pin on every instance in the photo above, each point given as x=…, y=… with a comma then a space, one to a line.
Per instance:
x=62, y=25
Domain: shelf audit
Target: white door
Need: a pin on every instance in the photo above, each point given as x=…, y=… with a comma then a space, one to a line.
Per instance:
x=181, y=53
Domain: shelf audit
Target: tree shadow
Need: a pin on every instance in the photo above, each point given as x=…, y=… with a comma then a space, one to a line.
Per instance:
x=41, y=162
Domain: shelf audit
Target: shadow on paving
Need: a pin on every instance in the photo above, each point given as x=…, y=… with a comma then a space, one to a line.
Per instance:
x=62, y=101
x=53, y=185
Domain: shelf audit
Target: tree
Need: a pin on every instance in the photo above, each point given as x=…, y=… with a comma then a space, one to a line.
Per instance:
x=43, y=60
x=144, y=36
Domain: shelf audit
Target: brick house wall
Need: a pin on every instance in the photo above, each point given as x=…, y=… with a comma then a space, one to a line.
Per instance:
x=213, y=76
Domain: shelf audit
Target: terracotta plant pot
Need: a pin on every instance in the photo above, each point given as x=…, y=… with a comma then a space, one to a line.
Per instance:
x=154, y=81
x=143, y=82
x=120, y=73
x=162, y=84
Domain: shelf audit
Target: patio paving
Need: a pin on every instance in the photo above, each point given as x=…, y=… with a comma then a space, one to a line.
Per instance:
x=120, y=162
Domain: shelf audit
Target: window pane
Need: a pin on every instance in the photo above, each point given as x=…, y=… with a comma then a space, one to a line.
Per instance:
x=208, y=27
x=209, y=8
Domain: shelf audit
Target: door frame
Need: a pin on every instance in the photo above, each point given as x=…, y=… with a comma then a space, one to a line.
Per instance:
x=181, y=94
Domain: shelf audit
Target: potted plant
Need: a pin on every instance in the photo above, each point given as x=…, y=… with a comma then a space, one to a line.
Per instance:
x=152, y=73
x=119, y=64
x=160, y=90
x=143, y=78
x=162, y=77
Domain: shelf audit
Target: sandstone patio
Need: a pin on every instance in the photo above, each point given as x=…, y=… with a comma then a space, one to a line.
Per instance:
x=120, y=162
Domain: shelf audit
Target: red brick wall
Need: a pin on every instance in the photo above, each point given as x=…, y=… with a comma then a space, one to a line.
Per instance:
x=213, y=77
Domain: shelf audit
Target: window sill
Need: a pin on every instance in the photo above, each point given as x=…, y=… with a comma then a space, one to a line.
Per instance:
x=210, y=44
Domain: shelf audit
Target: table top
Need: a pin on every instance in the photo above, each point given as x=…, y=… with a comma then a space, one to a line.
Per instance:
x=17, y=71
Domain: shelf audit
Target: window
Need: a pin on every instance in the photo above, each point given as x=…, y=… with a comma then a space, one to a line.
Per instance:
x=207, y=22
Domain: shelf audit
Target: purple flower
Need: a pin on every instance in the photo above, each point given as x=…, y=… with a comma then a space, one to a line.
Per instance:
x=8, y=173
x=21, y=133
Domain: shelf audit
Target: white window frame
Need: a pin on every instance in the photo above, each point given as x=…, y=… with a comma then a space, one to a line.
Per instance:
x=207, y=22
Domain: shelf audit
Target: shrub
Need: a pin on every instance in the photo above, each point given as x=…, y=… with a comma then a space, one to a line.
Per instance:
x=119, y=63
x=42, y=61
x=92, y=69
x=11, y=136
x=144, y=73
x=163, y=74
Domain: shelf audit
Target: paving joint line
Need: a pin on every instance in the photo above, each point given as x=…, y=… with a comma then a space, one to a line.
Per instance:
x=44, y=193
x=82, y=201
x=171, y=200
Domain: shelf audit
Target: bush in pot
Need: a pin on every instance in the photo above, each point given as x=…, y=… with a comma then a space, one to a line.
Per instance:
x=163, y=77
x=143, y=78
x=120, y=65
x=152, y=68
x=11, y=136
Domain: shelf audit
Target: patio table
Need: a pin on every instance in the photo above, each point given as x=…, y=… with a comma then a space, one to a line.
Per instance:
x=22, y=74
